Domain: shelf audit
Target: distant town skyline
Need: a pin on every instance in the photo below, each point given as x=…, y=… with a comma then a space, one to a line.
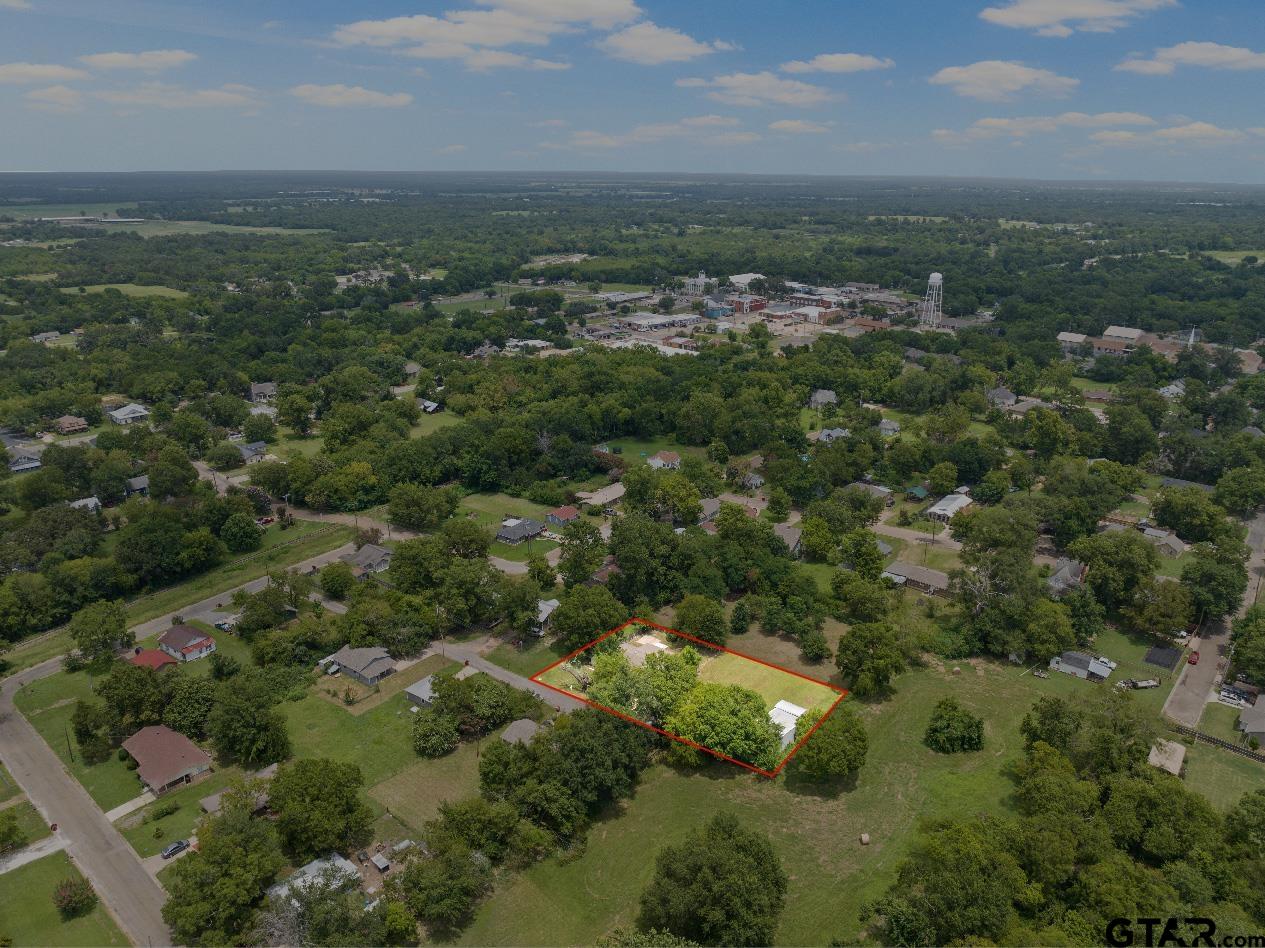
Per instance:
x=1096, y=89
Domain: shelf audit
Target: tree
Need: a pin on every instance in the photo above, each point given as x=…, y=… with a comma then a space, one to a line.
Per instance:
x=723, y=885
x=860, y=551
x=740, y=619
x=703, y=618
x=836, y=750
x=953, y=729
x=190, y=699
x=1190, y=512
x=582, y=551
x=421, y=508
x=244, y=728
x=74, y=897
x=584, y=613
x=1217, y=579
x=943, y=478
x=240, y=534
x=318, y=807
x=213, y=891
x=337, y=580
x=869, y=657
x=1249, y=644
x=442, y=889
x=295, y=411
x=779, y=504
x=99, y=630
x=1241, y=490
x=434, y=735
x=258, y=428
x=1050, y=630
x=729, y=720
x=1160, y=608
x=1117, y=562
x=540, y=572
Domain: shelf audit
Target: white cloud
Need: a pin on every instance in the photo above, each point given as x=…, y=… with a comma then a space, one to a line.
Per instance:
x=161, y=95
x=651, y=45
x=468, y=34
x=450, y=150
x=759, y=88
x=14, y=5
x=698, y=128
x=862, y=148
x=838, y=63
x=994, y=80
x=1208, y=55
x=549, y=123
x=798, y=127
x=55, y=99
x=1023, y=126
x=153, y=60
x=1065, y=17
x=482, y=60
x=341, y=96
x=21, y=73
x=600, y=14
x=1198, y=134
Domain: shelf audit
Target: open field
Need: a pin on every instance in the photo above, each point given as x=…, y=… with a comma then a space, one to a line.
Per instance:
x=633, y=449
x=130, y=289
x=529, y=660
x=380, y=741
x=27, y=914
x=815, y=834
x=414, y=794
x=521, y=552
x=429, y=424
x=28, y=211
x=1220, y=720
x=1219, y=775
x=1234, y=257
x=488, y=510
x=771, y=684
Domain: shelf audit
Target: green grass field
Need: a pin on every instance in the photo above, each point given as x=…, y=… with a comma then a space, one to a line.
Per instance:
x=429, y=424
x=31, y=824
x=529, y=660
x=130, y=289
x=27, y=211
x=489, y=510
x=1234, y=257
x=8, y=786
x=380, y=741
x=1220, y=720
x=521, y=552
x=634, y=449
x=27, y=914
x=414, y=794
x=1221, y=776
x=771, y=684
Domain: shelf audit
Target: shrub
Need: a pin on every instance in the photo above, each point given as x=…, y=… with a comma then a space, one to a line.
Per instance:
x=164, y=809
x=336, y=580
x=434, y=734
x=953, y=729
x=74, y=897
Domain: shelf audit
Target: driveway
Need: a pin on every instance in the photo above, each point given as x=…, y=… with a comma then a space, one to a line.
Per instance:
x=1198, y=684
x=50, y=844
x=468, y=653
x=129, y=892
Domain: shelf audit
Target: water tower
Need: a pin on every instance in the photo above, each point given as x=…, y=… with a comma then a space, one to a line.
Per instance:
x=931, y=309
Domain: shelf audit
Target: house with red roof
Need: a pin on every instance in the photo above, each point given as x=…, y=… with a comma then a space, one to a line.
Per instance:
x=665, y=461
x=561, y=516
x=185, y=643
x=151, y=658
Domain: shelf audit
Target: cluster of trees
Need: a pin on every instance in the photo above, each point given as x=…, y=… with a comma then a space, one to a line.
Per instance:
x=468, y=708
x=1098, y=835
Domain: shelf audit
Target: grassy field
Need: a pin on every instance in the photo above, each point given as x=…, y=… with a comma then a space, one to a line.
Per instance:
x=1221, y=776
x=521, y=552
x=312, y=538
x=28, y=917
x=380, y=741
x=633, y=449
x=413, y=795
x=1235, y=257
x=27, y=211
x=429, y=424
x=489, y=510
x=772, y=684
x=32, y=825
x=130, y=289
x=815, y=835
x=369, y=698
x=1219, y=720
x=526, y=661
x=8, y=786
x=140, y=831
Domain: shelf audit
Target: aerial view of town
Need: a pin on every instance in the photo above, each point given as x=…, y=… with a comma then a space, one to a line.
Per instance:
x=737, y=474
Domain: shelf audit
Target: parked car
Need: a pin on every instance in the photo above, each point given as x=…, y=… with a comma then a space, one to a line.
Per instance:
x=1194, y=658
x=176, y=848
x=265, y=521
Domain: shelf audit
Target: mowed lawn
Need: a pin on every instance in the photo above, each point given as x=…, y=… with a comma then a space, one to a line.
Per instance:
x=1220, y=775
x=527, y=661
x=429, y=424
x=130, y=289
x=380, y=741
x=414, y=794
x=816, y=835
x=150, y=836
x=771, y=684
x=27, y=914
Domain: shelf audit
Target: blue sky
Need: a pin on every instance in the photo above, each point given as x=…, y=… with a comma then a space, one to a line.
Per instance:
x=1107, y=89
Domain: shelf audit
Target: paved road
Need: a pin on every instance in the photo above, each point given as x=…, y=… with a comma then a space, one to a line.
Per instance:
x=101, y=853
x=469, y=653
x=1198, y=684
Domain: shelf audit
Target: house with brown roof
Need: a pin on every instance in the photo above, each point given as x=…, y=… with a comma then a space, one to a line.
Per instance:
x=561, y=516
x=70, y=424
x=665, y=461
x=185, y=643
x=918, y=577
x=166, y=759
x=367, y=665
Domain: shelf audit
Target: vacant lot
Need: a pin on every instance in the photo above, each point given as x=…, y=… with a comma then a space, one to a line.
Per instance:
x=28, y=917
x=129, y=289
x=380, y=741
x=771, y=684
x=488, y=510
x=414, y=794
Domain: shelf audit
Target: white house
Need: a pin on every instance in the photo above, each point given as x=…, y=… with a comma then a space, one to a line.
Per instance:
x=744, y=280
x=944, y=508
x=1082, y=665
x=129, y=414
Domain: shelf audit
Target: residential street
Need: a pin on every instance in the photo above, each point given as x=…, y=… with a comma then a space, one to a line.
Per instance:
x=1197, y=684
x=469, y=653
x=101, y=853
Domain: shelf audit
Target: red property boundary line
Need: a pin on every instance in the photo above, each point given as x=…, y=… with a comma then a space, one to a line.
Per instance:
x=683, y=740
